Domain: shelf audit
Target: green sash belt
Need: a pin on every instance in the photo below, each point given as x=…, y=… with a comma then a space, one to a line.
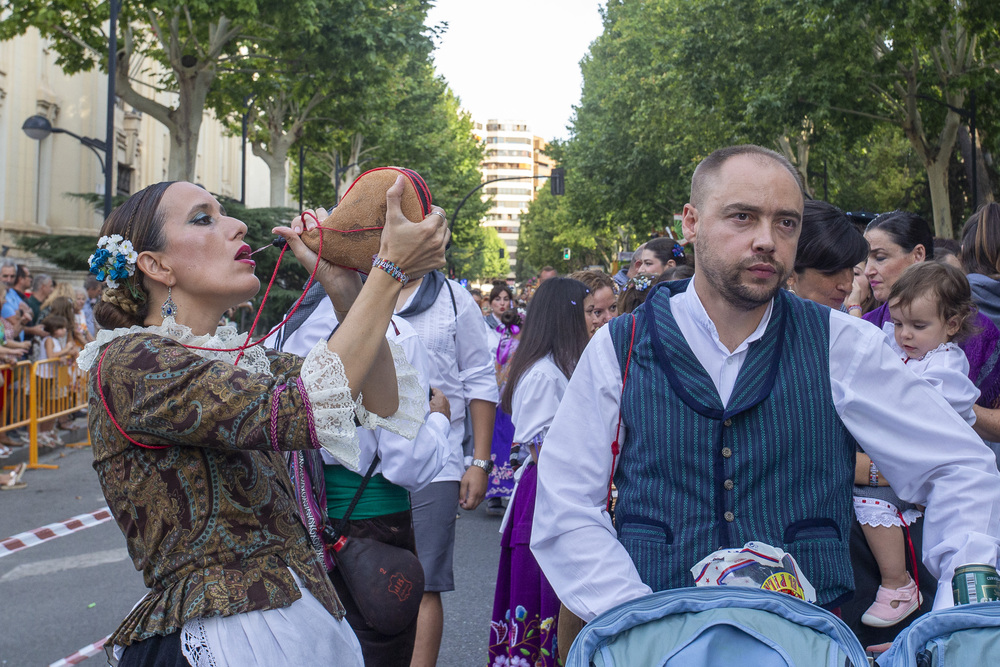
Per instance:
x=381, y=496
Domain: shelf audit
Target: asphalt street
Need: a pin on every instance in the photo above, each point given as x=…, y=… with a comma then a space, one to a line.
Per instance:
x=66, y=593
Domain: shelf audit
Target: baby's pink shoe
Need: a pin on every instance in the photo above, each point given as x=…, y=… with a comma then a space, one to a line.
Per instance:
x=882, y=614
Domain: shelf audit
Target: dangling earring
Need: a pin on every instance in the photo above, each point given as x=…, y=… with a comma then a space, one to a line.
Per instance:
x=169, y=308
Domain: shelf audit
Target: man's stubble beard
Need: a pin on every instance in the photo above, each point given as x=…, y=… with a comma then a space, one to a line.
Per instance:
x=726, y=279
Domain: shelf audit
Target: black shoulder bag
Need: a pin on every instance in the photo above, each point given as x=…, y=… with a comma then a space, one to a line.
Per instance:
x=386, y=582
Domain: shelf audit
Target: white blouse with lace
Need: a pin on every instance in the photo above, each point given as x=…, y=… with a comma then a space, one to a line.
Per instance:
x=274, y=636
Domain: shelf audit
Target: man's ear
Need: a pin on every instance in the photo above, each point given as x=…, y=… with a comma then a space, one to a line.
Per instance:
x=154, y=269
x=689, y=222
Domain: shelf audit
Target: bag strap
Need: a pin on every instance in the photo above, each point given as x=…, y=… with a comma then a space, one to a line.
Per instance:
x=615, y=446
x=342, y=525
x=451, y=292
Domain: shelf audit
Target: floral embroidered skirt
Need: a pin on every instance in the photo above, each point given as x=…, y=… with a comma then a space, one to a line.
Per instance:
x=525, y=608
x=501, y=483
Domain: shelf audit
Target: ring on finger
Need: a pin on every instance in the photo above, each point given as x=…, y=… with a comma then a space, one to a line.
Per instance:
x=441, y=214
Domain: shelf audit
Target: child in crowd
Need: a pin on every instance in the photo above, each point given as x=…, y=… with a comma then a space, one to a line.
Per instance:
x=505, y=458
x=52, y=347
x=931, y=308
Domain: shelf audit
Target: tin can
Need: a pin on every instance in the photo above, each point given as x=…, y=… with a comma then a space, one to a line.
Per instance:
x=975, y=583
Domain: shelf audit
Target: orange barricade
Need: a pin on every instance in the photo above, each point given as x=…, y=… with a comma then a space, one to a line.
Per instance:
x=57, y=389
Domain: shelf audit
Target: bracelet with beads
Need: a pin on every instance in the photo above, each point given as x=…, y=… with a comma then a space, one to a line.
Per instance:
x=391, y=269
x=872, y=474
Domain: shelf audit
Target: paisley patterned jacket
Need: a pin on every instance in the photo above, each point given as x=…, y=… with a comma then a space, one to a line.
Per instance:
x=208, y=515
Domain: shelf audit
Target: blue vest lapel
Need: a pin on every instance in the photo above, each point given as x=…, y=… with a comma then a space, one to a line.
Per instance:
x=689, y=379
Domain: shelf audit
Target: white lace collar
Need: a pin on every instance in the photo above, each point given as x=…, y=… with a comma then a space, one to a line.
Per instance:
x=225, y=337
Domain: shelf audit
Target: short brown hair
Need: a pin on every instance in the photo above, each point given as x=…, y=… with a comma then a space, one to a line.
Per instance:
x=500, y=288
x=635, y=292
x=594, y=280
x=945, y=284
x=711, y=165
x=53, y=323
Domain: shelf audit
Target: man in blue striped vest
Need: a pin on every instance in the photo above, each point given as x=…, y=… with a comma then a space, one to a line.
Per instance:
x=739, y=415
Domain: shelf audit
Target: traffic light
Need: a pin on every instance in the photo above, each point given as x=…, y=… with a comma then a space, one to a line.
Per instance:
x=557, y=179
x=565, y=253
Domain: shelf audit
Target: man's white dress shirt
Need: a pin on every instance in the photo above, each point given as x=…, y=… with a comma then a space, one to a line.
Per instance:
x=458, y=346
x=912, y=434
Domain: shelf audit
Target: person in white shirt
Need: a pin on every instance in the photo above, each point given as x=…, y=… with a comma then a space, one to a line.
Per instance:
x=406, y=466
x=738, y=417
x=450, y=324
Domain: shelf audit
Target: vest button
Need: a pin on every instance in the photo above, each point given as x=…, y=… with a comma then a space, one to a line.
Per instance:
x=729, y=516
x=726, y=452
x=728, y=422
x=728, y=485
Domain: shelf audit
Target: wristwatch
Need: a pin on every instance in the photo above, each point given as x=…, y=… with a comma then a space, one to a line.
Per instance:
x=485, y=464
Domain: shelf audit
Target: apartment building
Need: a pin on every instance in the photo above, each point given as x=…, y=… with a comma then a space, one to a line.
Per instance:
x=513, y=153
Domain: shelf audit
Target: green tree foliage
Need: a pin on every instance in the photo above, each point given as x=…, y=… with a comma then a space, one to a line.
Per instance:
x=417, y=124
x=479, y=257
x=849, y=92
x=548, y=228
x=327, y=79
x=924, y=58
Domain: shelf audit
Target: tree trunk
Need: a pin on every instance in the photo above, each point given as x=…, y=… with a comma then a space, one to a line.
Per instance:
x=276, y=160
x=353, y=170
x=278, y=176
x=187, y=117
x=798, y=156
x=937, y=178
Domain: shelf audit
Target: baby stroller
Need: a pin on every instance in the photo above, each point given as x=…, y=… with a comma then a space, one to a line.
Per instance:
x=960, y=636
x=705, y=627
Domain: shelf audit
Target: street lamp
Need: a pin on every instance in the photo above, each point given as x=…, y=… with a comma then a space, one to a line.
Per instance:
x=38, y=128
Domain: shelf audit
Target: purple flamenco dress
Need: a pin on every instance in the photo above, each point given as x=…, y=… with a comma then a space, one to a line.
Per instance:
x=525, y=608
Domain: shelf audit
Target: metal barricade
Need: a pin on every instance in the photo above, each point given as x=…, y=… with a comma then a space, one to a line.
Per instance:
x=57, y=389
x=15, y=388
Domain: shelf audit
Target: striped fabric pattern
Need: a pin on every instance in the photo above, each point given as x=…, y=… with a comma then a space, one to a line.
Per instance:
x=776, y=465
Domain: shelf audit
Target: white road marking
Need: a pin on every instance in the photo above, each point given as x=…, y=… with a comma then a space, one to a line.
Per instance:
x=76, y=562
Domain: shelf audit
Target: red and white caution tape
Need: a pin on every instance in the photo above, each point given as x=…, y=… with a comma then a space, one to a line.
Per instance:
x=53, y=530
x=82, y=654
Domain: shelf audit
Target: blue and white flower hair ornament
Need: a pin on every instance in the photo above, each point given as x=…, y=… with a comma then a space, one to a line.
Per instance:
x=641, y=282
x=677, y=250
x=113, y=263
